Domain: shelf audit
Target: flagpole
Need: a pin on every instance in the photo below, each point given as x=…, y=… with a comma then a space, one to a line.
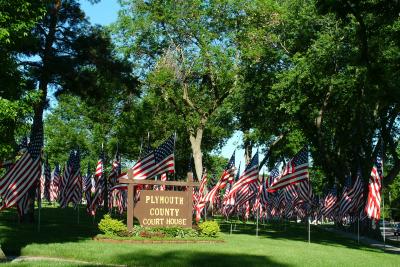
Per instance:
x=358, y=229
x=383, y=213
x=309, y=228
x=175, y=137
x=78, y=210
x=257, y=224
x=39, y=199
x=383, y=201
x=40, y=207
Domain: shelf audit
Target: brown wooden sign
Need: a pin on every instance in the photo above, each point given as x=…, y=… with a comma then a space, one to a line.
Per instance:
x=163, y=208
x=160, y=208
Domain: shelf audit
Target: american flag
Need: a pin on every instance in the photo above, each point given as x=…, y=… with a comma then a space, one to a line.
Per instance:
x=373, y=206
x=246, y=210
x=119, y=196
x=63, y=182
x=304, y=190
x=24, y=175
x=72, y=192
x=228, y=172
x=156, y=162
x=264, y=198
x=16, y=183
x=99, y=167
x=87, y=187
x=350, y=196
x=199, y=206
x=257, y=207
x=115, y=197
x=330, y=204
x=295, y=170
x=247, y=193
x=100, y=185
x=163, y=178
x=291, y=199
x=47, y=180
x=115, y=170
x=249, y=176
x=55, y=182
x=274, y=199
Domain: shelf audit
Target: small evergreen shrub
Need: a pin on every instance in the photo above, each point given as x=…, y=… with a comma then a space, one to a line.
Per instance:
x=209, y=229
x=110, y=226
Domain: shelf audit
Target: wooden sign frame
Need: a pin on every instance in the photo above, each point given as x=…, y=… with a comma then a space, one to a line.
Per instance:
x=190, y=184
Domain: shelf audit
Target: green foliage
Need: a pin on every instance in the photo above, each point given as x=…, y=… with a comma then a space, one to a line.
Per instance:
x=111, y=226
x=177, y=232
x=17, y=18
x=209, y=228
x=189, y=67
x=160, y=232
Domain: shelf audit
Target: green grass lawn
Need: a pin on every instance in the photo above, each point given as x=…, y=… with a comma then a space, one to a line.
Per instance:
x=276, y=245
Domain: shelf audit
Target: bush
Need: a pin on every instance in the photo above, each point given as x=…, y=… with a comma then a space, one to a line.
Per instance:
x=209, y=229
x=178, y=232
x=110, y=226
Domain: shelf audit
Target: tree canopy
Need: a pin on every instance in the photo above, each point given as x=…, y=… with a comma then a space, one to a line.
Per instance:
x=286, y=73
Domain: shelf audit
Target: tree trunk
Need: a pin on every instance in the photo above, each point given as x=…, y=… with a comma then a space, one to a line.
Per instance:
x=37, y=134
x=195, y=141
x=248, y=148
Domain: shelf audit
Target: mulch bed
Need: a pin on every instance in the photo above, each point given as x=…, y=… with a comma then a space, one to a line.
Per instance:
x=149, y=241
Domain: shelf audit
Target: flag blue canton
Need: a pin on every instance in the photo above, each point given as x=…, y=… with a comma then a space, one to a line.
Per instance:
x=163, y=151
x=75, y=161
x=347, y=182
x=334, y=190
x=231, y=162
x=379, y=164
x=36, y=140
x=253, y=163
x=237, y=174
x=301, y=157
x=273, y=174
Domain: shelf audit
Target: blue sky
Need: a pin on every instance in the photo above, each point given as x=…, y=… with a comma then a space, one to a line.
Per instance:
x=105, y=13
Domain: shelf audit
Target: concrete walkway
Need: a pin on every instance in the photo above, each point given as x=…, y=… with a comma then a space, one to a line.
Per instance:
x=366, y=240
x=39, y=258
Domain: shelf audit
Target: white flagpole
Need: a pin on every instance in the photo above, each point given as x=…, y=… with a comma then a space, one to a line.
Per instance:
x=40, y=207
x=40, y=198
x=384, y=230
x=78, y=211
x=309, y=228
x=257, y=225
x=358, y=229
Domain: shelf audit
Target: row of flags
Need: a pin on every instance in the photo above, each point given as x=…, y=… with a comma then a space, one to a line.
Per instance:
x=288, y=194
x=285, y=193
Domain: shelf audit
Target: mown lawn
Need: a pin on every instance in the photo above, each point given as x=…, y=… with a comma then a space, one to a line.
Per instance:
x=277, y=245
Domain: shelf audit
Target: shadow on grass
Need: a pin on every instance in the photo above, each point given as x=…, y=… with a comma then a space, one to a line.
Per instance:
x=186, y=258
x=296, y=232
x=57, y=226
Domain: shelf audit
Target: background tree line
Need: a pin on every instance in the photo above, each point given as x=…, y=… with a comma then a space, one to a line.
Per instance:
x=285, y=73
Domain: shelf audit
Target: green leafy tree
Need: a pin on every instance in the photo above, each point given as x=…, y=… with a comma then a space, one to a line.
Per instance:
x=17, y=19
x=65, y=53
x=327, y=68
x=188, y=60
